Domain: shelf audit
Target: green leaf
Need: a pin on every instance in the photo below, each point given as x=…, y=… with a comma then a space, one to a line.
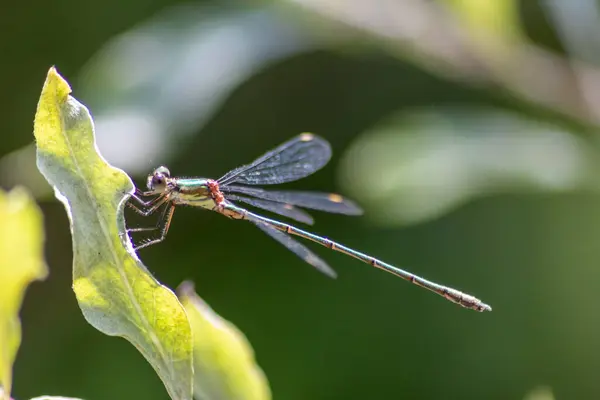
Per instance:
x=540, y=393
x=21, y=262
x=224, y=364
x=116, y=293
x=491, y=23
x=54, y=398
x=501, y=17
x=435, y=161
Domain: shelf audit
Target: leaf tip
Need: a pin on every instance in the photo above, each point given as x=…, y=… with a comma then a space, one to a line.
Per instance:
x=58, y=83
x=186, y=289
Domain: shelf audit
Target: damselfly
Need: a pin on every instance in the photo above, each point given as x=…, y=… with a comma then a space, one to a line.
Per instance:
x=293, y=160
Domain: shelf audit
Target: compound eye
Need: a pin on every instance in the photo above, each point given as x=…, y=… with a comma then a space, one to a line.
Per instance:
x=159, y=181
x=163, y=171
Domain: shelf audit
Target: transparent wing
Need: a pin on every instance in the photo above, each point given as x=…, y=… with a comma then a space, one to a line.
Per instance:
x=287, y=210
x=293, y=160
x=329, y=202
x=298, y=248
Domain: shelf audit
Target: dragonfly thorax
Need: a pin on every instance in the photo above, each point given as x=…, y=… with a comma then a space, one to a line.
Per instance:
x=196, y=192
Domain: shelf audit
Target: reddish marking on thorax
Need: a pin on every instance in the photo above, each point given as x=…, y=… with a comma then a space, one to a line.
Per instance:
x=215, y=192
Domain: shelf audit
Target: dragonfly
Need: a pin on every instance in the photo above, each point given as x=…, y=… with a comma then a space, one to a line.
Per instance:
x=295, y=159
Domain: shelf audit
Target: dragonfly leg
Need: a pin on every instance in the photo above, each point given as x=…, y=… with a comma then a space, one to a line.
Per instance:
x=139, y=193
x=163, y=226
x=147, y=229
x=145, y=208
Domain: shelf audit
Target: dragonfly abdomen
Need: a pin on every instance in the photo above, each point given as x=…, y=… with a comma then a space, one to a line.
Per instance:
x=450, y=294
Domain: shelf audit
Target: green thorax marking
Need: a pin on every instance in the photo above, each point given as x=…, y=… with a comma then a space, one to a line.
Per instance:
x=193, y=192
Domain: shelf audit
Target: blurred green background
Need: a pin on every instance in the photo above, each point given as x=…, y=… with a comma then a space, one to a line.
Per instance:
x=467, y=130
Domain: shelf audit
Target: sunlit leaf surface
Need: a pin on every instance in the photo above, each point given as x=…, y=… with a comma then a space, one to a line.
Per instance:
x=498, y=19
x=116, y=293
x=21, y=262
x=540, y=393
x=224, y=364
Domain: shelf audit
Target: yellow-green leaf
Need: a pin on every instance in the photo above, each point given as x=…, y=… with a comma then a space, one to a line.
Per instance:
x=496, y=21
x=21, y=262
x=540, y=393
x=224, y=364
x=116, y=293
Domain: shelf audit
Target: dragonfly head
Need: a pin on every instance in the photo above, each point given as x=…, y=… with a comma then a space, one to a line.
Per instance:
x=158, y=181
